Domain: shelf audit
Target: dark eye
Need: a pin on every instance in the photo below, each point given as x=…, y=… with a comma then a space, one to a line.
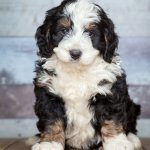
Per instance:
x=90, y=32
x=59, y=33
x=62, y=31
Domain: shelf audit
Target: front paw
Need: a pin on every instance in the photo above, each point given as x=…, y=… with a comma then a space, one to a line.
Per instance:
x=48, y=146
x=119, y=142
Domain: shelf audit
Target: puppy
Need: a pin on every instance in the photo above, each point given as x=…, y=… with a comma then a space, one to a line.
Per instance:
x=82, y=98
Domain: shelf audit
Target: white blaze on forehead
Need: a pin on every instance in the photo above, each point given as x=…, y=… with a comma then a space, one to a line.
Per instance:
x=82, y=12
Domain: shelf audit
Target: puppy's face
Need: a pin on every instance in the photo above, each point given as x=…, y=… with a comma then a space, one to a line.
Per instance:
x=77, y=31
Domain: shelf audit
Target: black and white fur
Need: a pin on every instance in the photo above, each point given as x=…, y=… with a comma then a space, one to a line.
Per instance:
x=82, y=92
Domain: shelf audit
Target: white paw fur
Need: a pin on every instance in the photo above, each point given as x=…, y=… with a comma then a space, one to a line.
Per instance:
x=119, y=142
x=47, y=146
x=135, y=140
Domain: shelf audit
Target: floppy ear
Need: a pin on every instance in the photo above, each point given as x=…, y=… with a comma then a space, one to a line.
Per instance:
x=43, y=35
x=111, y=40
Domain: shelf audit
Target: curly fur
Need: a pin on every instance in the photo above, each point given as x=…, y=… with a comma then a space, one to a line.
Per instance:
x=86, y=92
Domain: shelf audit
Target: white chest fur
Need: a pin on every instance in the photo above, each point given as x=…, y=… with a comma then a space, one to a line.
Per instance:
x=76, y=85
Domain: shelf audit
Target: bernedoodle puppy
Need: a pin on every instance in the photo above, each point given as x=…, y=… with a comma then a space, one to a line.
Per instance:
x=82, y=99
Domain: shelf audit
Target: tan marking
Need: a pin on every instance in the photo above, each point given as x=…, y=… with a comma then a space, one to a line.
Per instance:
x=90, y=27
x=110, y=129
x=101, y=148
x=65, y=22
x=54, y=133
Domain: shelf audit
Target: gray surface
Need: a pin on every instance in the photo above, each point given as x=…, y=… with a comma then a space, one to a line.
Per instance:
x=135, y=54
x=16, y=101
x=10, y=128
x=18, y=57
x=21, y=18
x=141, y=95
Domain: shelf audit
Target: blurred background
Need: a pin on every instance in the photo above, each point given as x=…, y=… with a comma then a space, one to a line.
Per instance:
x=18, y=23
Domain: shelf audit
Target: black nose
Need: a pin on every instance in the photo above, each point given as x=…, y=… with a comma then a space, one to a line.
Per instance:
x=75, y=53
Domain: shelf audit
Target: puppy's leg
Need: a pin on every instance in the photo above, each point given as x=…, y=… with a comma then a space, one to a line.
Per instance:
x=135, y=140
x=114, y=138
x=51, y=139
x=52, y=120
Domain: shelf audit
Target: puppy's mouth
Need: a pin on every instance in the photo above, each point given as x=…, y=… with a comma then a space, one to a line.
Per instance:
x=74, y=61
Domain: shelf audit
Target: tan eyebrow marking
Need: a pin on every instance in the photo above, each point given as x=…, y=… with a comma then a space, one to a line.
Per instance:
x=90, y=27
x=66, y=22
